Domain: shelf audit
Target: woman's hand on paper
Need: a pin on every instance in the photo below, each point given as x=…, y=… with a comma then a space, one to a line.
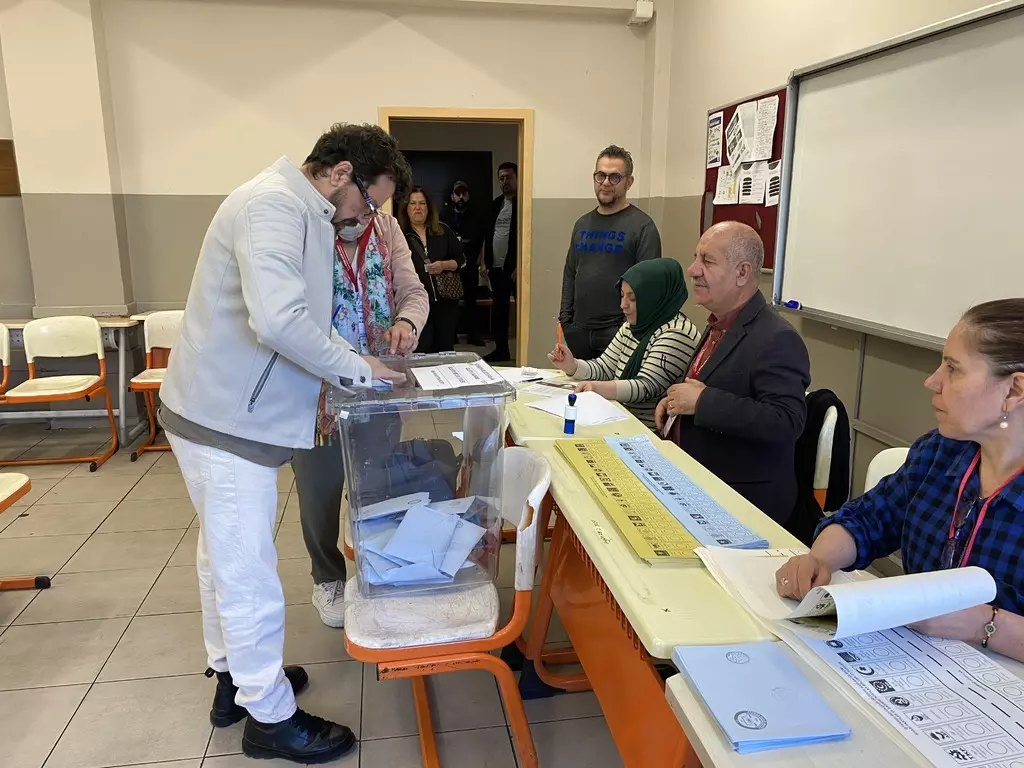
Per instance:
x=800, y=575
x=381, y=371
x=605, y=389
x=561, y=357
x=967, y=625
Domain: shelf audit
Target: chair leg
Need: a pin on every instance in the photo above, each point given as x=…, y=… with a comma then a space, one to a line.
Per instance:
x=147, y=397
x=101, y=460
x=516, y=715
x=428, y=740
x=25, y=582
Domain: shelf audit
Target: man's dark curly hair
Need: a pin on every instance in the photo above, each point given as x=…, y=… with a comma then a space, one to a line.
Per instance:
x=369, y=148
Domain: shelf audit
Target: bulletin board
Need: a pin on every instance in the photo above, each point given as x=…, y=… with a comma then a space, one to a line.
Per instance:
x=762, y=217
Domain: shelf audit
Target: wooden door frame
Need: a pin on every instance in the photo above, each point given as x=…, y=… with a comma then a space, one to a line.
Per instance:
x=523, y=120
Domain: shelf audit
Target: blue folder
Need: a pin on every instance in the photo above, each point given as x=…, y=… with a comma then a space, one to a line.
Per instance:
x=758, y=697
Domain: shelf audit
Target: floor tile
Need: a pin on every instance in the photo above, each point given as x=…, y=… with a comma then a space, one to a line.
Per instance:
x=291, y=511
x=9, y=515
x=334, y=692
x=118, y=464
x=31, y=722
x=154, y=515
x=56, y=654
x=175, y=725
x=285, y=479
x=39, y=489
x=580, y=743
x=162, y=463
x=77, y=436
x=185, y=553
x=465, y=700
x=13, y=602
x=289, y=542
x=42, y=556
x=47, y=471
x=176, y=591
x=165, y=486
x=486, y=748
x=296, y=580
x=96, y=487
x=308, y=641
x=58, y=519
x=388, y=707
x=64, y=450
x=158, y=646
x=98, y=595
x=172, y=764
x=566, y=706
x=116, y=551
x=351, y=760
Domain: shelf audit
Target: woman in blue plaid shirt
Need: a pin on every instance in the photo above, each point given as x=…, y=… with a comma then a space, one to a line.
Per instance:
x=959, y=498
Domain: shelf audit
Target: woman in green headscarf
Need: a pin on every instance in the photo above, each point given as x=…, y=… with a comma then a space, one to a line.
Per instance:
x=652, y=349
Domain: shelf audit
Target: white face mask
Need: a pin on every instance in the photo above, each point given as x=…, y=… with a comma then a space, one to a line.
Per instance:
x=353, y=232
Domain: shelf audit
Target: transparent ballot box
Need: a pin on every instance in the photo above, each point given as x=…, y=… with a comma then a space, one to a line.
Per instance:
x=423, y=470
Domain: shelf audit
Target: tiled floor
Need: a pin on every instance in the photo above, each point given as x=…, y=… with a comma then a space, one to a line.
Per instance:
x=105, y=668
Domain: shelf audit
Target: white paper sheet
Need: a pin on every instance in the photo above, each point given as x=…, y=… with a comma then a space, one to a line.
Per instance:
x=393, y=506
x=454, y=506
x=456, y=375
x=591, y=409
x=736, y=148
x=773, y=188
x=751, y=183
x=423, y=537
x=727, y=188
x=467, y=535
x=715, y=127
x=766, y=117
x=519, y=375
x=542, y=390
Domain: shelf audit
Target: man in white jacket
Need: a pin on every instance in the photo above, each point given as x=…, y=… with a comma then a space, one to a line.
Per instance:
x=241, y=392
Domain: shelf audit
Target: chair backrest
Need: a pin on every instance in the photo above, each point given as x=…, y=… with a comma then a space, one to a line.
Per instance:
x=823, y=458
x=884, y=464
x=162, y=329
x=63, y=337
x=525, y=481
x=5, y=356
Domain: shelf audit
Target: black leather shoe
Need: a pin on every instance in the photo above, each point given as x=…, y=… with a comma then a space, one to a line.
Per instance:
x=302, y=738
x=225, y=712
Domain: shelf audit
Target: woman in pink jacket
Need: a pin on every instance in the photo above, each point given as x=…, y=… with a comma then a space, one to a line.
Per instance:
x=380, y=306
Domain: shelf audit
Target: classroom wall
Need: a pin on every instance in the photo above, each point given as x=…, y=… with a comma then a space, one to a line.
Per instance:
x=16, y=295
x=727, y=49
x=500, y=139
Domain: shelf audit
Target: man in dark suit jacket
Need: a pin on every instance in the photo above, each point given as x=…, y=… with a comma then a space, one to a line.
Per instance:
x=741, y=408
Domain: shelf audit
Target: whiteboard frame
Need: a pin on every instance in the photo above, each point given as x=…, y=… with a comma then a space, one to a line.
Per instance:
x=986, y=13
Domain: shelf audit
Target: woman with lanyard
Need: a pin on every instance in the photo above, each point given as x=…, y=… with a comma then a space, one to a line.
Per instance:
x=379, y=306
x=959, y=498
x=438, y=257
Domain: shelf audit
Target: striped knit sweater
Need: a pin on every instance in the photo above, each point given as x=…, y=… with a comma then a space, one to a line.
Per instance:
x=665, y=363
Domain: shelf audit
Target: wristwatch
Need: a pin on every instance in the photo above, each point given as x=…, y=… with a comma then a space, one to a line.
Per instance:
x=410, y=323
x=990, y=628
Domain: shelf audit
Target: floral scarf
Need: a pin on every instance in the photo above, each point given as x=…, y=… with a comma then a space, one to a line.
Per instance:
x=370, y=262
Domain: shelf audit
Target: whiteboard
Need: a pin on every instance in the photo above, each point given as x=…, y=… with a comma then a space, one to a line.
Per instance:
x=906, y=181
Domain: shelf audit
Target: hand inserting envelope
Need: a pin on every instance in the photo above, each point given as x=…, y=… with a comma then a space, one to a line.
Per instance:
x=429, y=546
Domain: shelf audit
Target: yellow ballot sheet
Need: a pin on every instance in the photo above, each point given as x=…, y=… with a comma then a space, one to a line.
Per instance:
x=651, y=530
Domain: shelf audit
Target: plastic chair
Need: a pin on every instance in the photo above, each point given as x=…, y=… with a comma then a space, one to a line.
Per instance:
x=161, y=331
x=64, y=337
x=885, y=463
x=823, y=457
x=448, y=630
x=5, y=358
x=12, y=488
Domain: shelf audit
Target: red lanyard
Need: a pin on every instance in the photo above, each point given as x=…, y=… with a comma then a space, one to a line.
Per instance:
x=984, y=507
x=360, y=256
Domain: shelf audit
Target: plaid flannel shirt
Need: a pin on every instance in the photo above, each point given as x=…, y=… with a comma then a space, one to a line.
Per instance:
x=911, y=511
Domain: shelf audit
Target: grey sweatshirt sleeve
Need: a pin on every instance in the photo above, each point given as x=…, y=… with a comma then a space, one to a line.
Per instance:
x=649, y=246
x=565, y=314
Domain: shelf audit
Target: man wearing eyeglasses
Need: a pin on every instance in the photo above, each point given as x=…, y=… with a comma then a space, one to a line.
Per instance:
x=605, y=243
x=241, y=392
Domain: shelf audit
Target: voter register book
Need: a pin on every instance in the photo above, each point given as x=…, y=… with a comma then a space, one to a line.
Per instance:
x=663, y=514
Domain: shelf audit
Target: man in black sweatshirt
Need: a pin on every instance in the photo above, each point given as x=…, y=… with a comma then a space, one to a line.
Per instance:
x=605, y=243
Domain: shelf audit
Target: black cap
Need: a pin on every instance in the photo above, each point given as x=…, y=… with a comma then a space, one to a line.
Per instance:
x=460, y=185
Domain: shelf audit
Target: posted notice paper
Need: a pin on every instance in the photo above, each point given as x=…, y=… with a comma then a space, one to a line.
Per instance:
x=726, y=190
x=751, y=182
x=735, y=142
x=456, y=375
x=764, y=129
x=715, y=127
x=774, y=186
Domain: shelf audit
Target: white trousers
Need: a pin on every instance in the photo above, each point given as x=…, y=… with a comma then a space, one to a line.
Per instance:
x=243, y=603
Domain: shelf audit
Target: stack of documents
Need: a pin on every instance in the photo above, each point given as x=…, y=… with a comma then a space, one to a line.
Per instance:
x=758, y=697
x=591, y=409
x=429, y=545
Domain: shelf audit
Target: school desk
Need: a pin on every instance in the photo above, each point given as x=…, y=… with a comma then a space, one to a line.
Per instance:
x=623, y=616
x=526, y=423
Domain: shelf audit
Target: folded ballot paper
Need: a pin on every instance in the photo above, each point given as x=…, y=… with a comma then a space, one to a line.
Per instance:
x=428, y=545
x=758, y=697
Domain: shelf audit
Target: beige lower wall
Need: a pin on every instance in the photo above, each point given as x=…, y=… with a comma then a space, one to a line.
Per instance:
x=16, y=294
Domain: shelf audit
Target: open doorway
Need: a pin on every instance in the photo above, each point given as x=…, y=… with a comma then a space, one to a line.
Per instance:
x=447, y=146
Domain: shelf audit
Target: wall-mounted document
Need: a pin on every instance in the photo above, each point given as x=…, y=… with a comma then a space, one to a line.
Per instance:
x=774, y=185
x=751, y=182
x=726, y=190
x=767, y=116
x=715, y=128
x=737, y=146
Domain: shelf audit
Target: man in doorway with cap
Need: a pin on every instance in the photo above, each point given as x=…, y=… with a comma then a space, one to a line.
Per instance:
x=464, y=220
